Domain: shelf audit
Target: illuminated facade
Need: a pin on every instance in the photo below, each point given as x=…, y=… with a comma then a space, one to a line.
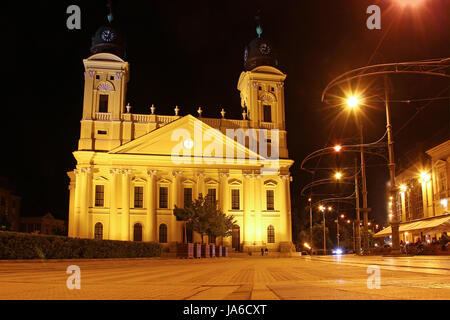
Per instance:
x=423, y=197
x=132, y=169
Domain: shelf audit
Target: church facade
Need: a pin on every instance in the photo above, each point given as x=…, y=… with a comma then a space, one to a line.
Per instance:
x=132, y=169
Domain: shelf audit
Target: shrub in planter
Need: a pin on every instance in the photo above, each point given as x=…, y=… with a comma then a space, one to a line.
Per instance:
x=205, y=251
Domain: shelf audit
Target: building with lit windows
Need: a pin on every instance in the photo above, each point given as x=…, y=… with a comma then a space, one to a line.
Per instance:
x=132, y=169
x=423, y=199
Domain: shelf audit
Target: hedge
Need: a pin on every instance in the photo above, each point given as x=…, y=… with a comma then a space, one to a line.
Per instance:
x=15, y=245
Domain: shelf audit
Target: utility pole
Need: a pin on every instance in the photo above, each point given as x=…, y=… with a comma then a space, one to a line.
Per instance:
x=364, y=209
x=358, y=223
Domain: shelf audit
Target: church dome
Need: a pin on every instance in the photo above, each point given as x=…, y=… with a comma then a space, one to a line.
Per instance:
x=108, y=38
x=259, y=52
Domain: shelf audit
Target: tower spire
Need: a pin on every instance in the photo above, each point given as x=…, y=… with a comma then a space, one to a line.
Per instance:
x=259, y=29
x=109, y=5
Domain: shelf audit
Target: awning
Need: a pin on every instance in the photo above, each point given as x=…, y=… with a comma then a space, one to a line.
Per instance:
x=435, y=224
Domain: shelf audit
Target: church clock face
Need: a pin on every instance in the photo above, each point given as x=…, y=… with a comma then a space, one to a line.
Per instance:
x=264, y=48
x=108, y=35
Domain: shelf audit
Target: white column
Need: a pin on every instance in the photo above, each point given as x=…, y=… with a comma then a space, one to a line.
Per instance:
x=200, y=184
x=114, y=232
x=151, y=222
x=174, y=225
x=258, y=205
x=84, y=203
x=126, y=205
x=282, y=234
x=223, y=192
x=76, y=221
x=71, y=208
x=248, y=225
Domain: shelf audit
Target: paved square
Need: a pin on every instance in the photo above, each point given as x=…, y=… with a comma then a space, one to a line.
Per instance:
x=237, y=278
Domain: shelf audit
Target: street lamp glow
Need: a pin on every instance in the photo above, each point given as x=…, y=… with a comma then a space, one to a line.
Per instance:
x=424, y=176
x=352, y=102
x=330, y=208
x=342, y=216
x=337, y=148
x=321, y=208
x=403, y=188
x=338, y=175
x=348, y=221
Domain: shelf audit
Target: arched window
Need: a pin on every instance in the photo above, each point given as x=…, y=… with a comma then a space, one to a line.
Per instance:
x=137, y=235
x=270, y=234
x=162, y=233
x=98, y=231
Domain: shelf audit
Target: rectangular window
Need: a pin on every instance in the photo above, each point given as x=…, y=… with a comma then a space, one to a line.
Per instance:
x=211, y=197
x=103, y=103
x=267, y=113
x=102, y=132
x=187, y=196
x=235, y=203
x=270, y=201
x=164, y=197
x=138, y=197
x=442, y=181
x=99, y=195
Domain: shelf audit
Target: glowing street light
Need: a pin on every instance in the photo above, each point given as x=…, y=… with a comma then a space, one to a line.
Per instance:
x=338, y=175
x=352, y=102
x=424, y=177
x=337, y=148
x=403, y=188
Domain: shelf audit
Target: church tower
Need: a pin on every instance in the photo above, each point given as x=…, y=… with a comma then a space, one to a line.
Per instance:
x=105, y=84
x=261, y=86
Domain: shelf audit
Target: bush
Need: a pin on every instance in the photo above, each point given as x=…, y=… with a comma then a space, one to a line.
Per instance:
x=15, y=245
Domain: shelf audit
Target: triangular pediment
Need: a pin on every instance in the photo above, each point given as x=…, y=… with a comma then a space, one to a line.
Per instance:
x=189, y=138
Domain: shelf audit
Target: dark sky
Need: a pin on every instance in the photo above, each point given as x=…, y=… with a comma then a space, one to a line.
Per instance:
x=190, y=54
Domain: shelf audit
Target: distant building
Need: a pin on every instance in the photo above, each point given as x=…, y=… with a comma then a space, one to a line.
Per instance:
x=43, y=225
x=422, y=202
x=9, y=207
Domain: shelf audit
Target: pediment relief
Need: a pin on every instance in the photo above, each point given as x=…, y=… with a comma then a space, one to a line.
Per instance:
x=234, y=182
x=164, y=180
x=105, y=86
x=211, y=181
x=267, y=97
x=139, y=180
x=100, y=178
x=270, y=183
x=188, y=182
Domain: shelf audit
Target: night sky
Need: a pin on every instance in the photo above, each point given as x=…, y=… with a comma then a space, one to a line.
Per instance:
x=190, y=54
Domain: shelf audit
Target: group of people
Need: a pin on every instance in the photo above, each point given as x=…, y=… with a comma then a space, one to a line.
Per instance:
x=419, y=245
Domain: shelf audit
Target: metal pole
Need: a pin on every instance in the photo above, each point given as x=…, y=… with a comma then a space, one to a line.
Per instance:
x=364, y=194
x=393, y=188
x=324, y=235
x=310, y=223
x=358, y=229
x=337, y=222
x=353, y=235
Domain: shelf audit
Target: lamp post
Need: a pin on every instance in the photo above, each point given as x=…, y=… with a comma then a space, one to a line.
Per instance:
x=310, y=223
x=337, y=228
x=353, y=103
x=323, y=210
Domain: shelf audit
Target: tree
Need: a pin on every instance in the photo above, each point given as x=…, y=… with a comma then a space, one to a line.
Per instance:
x=205, y=218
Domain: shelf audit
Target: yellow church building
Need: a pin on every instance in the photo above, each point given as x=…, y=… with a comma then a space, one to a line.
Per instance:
x=132, y=169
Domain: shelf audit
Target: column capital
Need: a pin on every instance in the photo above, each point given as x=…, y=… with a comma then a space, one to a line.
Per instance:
x=114, y=171
x=126, y=171
x=152, y=173
x=224, y=174
x=177, y=173
x=85, y=170
x=248, y=175
x=284, y=176
x=200, y=174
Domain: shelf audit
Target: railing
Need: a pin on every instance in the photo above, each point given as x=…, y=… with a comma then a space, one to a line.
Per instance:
x=166, y=119
x=267, y=125
x=142, y=118
x=102, y=116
